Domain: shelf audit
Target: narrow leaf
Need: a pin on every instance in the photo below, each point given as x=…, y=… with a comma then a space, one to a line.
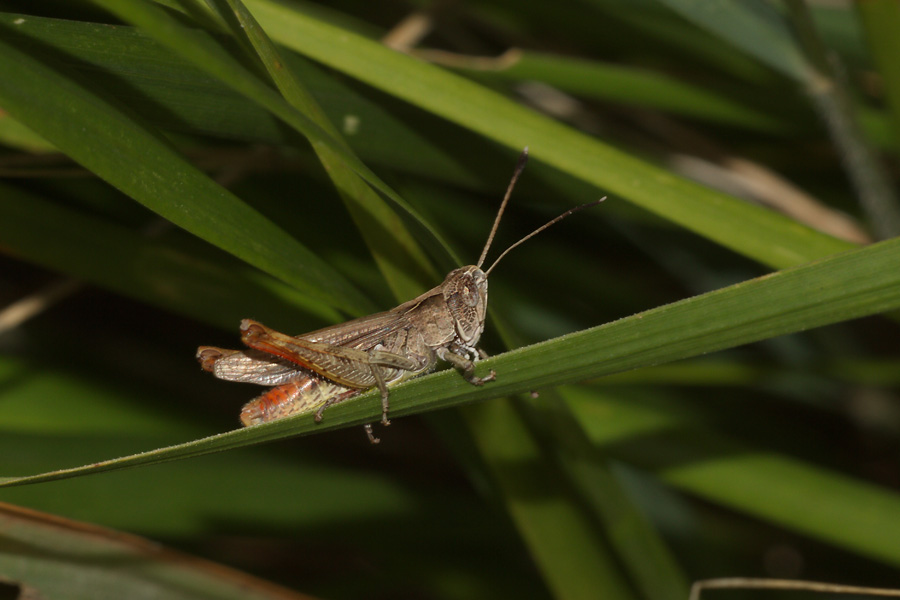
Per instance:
x=750, y=230
x=846, y=286
x=399, y=258
x=142, y=164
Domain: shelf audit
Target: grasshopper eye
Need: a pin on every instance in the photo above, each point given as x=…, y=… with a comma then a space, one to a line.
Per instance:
x=470, y=295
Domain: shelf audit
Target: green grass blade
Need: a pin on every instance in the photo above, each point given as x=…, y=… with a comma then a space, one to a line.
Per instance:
x=832, y=97
x=756, y=28
x=207, y=54
x=174, y=95
x=760, y=31
x=401, y=261
x=747, y=229
x=656, y=23
x=68, y=559
x=151, y=271
x=629, y=86
x=582, y=481
x=881, y=19
x=556, y=522
x=565, y=471
x=842, y=287
x=564, y=541
x=652, y=567
x=15, y=135
x=545, y=528
x=652, y=461
x=143, y=165
x=857, y=516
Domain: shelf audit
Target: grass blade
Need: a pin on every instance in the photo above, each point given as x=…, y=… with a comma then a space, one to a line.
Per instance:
x=203, y=51
x=401, y=261
x=150, y=271
x=749, y=230
x=143, y=165
x=847, y=286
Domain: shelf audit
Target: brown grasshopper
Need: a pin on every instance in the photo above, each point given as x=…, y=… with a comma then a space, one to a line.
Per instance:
x=316, y=370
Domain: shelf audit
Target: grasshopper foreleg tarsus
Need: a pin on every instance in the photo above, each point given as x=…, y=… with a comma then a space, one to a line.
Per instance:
x=482, y=355
x=481, y=380
x=465, y=366
x=372, y=438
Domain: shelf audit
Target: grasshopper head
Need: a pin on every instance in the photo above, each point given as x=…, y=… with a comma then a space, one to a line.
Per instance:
x=465, y=292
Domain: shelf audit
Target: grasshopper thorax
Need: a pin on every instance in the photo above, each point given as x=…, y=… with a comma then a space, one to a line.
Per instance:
x=465, y=292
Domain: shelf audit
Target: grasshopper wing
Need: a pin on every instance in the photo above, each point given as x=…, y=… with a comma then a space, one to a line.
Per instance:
x=249, y=366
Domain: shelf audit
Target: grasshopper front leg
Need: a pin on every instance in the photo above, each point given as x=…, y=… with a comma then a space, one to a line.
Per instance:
x=465, y=366
x=484, y=355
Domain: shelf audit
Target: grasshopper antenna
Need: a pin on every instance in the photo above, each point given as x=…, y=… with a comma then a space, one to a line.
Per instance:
x=520, y=166
x=538, y=230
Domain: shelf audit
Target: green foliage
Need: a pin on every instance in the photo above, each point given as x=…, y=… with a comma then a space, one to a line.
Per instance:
x=314, y=174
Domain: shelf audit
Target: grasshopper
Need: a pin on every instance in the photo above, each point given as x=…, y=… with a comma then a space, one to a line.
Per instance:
x=316, y=370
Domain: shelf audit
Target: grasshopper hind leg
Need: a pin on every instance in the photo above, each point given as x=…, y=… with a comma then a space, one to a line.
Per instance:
x=320, y=412
x=385, y=395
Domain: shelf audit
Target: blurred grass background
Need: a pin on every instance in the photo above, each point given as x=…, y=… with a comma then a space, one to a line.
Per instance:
x=188, y=167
